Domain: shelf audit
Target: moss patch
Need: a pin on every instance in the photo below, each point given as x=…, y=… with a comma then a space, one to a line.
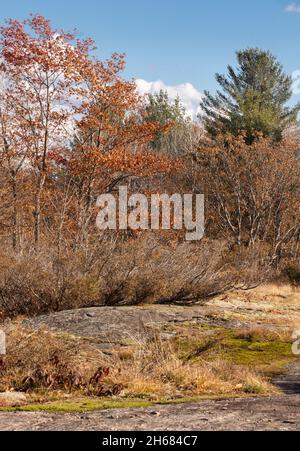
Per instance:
x=79, y=406
x=92, y=405
x=262, y=353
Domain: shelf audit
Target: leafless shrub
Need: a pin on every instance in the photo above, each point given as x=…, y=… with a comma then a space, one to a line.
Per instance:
x=131, y=272
x=253, y=193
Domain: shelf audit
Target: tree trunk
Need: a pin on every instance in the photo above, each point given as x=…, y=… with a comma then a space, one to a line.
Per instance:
x=15, y=234
x=37, y=212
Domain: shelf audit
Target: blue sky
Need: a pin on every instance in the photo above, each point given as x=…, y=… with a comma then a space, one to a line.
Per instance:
x=176, y=41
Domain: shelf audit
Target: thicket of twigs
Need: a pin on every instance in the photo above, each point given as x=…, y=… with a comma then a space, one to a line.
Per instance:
x=133, y=272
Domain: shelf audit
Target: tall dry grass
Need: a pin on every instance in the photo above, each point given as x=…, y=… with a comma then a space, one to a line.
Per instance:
x=151, y=368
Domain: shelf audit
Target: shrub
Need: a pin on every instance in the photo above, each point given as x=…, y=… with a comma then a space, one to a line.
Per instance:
x=292, y=272
x=142, y=270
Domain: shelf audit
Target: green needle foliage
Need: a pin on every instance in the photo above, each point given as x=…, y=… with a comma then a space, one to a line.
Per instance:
x=252, y=98
x=160, y=108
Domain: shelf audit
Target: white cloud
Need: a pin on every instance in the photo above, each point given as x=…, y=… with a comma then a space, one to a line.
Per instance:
x=293, y=8
x=189, y=96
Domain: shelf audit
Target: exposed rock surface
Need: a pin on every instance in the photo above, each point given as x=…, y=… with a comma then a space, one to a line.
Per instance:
x=270, y=307
x=109, y=326
x=276, y=414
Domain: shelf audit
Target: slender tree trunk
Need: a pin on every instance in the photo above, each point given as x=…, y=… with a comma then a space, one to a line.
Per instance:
x=37, y=211
x=15, y=234
x=42, y=173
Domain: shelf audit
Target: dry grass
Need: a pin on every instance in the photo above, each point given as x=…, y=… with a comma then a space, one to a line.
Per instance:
x=280, y=290
x=151, y=369
x=271, y=305
x=262, y=334
x=39, y=359
x=156, y=369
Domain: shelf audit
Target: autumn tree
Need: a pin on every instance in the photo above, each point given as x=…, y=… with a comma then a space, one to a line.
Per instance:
x=64, y=112
x=41, y=69
x=252, y=98
x=14, y=154
x=112, y=135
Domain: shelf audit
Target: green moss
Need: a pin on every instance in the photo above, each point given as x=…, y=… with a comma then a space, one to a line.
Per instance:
x=80, y=406
x=269, y=356
x=260, y=353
